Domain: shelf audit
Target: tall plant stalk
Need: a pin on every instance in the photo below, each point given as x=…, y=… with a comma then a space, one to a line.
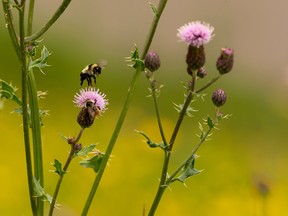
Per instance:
x=125, y=108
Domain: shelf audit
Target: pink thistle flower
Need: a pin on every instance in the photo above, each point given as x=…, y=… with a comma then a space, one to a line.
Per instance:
x=196, y=33
x=91, y=94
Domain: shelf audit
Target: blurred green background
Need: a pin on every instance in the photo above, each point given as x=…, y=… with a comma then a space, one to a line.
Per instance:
x=249, y=148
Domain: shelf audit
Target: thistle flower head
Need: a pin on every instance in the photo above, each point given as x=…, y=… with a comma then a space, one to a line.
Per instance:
x=196, y=33
x=91, y=94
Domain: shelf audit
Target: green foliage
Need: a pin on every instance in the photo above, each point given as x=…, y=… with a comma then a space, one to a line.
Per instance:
x=93, y=162
x=85, y=151
x=188, y=170
x=58, y=167
x=151, y=143
x=41, y=62
x=154, y=9
x=40, y=192
x=137, y=62
x=7, y=91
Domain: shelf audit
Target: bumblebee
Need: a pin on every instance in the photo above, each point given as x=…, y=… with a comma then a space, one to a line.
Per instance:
x=91, y=71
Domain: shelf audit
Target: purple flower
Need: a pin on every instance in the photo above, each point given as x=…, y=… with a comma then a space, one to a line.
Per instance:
x=196, y=33
x=91, y=94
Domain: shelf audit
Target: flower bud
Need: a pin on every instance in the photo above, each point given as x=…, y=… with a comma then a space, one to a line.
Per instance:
x=152, y=61
x=78, y=147
x=70, y=140
x=88, y=113
x=195, y=57
x=225, y=61
x=219, y=97
x=201, y=72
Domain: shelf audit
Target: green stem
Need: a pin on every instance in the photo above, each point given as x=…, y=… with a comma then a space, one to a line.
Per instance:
x=124, y=111
x=162, y=184
x=153, y=87
x=30, y=17
x=25, y=108
x=10, y=26
x=111, y=143
x=68, y=161
x=208, y=84
x=53, y=19
x=170, y=179
x=36, y=135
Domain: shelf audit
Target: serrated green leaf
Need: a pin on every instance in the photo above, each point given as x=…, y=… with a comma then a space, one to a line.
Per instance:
x=40, y=62
x=7, y=91
x=137, y=62
x=189, y=170
x=58, y=167
x=40, y=192
x=85, y=150
x=93, y=162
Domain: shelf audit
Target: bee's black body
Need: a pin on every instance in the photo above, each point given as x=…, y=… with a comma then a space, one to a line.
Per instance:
x=89, y=72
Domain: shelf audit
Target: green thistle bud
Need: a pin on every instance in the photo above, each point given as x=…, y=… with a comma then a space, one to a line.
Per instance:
x=219, y=97
x=195, y=58
x=152, y=61
x=201, y=72
x=225, y=61
x=88, y=113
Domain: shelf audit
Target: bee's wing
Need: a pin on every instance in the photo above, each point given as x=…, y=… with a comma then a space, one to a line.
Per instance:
x=102, y=63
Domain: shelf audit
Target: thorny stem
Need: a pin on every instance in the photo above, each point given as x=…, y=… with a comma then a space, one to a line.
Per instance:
x=68, y=161
x=162, y=184
x=124, y=111
x=154, y=89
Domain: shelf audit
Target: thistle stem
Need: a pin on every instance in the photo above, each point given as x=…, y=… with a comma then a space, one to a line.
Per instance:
x=124, y=111
x=36, y=136
x=153, y=87
x=23, y=61
x=162, y=185
x=53, y=19
x=61, y=176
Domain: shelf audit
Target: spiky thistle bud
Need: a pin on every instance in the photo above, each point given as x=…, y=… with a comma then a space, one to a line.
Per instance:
x=225, y=61
x=152, y=61
x=219, y=97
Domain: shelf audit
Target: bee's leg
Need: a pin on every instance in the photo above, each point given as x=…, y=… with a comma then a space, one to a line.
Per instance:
x=82, y=78
x=89, y=81
x=94, y=77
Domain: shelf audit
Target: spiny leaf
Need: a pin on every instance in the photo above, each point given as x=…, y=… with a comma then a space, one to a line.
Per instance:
x=40, y=62
x=137, y=62
x=58, y=167
x=7, y=91
x=151, y=143
x=40, y=192
x=85, y=150
x=189, y=170
x=93, y=162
